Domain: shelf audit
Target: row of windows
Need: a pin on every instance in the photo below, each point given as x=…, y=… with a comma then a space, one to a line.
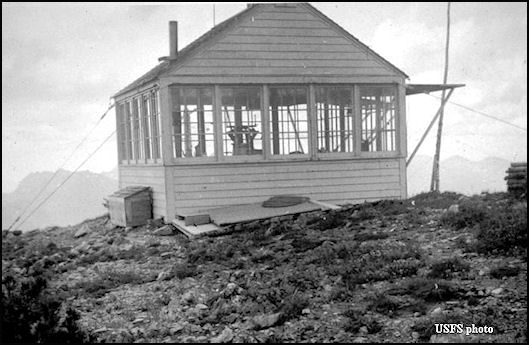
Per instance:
x=139, y=123
x=243, y=130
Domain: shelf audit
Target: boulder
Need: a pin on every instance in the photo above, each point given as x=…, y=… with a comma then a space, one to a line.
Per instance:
x=225, y=337
x=85, y=229
x=265, y=321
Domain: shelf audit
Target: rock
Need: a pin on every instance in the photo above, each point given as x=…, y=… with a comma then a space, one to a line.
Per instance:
x=359, y=340
x=188, y=297
x=177, y=327
x=305, y=311
x=85, y=229
x=138, y=320
x=453, y=208
x=415, y=335
x=201, y=306
x=17, y=232
x=497, y=291
x=166, y=230
x=225, y=337
x=166, y=254
x=416, y=314
x=81, y=248
x=265, y=321
x=437, y=311
x=363, y=330
x=230, y=289
x=165, y=275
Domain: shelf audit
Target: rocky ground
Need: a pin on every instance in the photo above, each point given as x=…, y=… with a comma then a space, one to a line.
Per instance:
x=381, y=272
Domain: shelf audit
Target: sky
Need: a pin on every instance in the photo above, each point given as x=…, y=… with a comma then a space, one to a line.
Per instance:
x=61, y=63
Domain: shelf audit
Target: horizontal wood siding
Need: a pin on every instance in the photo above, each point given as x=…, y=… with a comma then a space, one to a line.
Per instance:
x=340, y=181
x=153, y=177
x=284, y=41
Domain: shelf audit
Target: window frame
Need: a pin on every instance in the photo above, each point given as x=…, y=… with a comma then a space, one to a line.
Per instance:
x=358, y=116
x=201, y=159
x=337, y=155
x=126, y=153
x=287, y=157
x=220, y=120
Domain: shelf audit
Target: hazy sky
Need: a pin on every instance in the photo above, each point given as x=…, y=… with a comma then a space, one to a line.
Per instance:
x=62, y=62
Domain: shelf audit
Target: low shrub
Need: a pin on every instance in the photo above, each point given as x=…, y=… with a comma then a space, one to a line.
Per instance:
x=446, y=268
x=109, y=280
x=356, y=319
x=499, y=272
x=384, y=304
x=367, y=236
x=430, y=290
x=471, y=212
x=184, y=270
x=33, y=313
x=292, y=307
x=503, y=230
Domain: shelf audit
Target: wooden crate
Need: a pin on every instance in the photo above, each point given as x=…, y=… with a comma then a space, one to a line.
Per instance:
x=130, y=206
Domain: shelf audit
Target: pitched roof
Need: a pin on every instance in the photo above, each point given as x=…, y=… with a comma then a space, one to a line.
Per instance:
x=182, y=54
x=166, y=65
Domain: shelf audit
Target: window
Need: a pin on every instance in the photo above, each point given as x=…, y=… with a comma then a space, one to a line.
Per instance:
x=241, y=121
x=193, y=129
x=335, y=119
x=378, y=110
x=139, y=130
x=288, y=120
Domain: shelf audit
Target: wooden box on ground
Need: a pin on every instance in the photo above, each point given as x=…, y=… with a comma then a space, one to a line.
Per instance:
x=130, y=206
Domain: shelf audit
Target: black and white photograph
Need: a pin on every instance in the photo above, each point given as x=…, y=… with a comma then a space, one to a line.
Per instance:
x=264, y=172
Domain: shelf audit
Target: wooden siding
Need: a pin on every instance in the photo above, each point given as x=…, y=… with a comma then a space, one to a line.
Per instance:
x=337, y=181
x=152, y=176
x=283, y=42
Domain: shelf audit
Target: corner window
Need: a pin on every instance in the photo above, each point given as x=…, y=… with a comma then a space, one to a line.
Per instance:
x=335, y=119
x=242, y=132
x=289, y=121
x=377, y=111
x=193, y=129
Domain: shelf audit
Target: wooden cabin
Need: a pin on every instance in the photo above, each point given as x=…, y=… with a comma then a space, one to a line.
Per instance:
x=276, y=100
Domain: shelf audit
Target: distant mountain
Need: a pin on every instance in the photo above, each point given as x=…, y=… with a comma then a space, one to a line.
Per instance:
x=458, y=174
x=81, y=197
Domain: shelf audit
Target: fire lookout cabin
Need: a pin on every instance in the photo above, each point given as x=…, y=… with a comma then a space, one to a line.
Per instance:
x=277, y=99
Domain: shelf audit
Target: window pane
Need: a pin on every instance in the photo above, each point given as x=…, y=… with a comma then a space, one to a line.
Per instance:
x=122, y=150
x=241, y=121
x=378, y=110
x=129, y=132
x=155, y=124
x=335, y=119
x=193, y=130
x=288, y=120
x=146, y=123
